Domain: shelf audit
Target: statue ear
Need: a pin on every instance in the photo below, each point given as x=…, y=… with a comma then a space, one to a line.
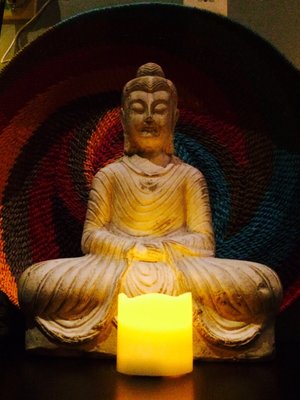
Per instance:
x=175, y=118
x=122, y=116
x=127, y=144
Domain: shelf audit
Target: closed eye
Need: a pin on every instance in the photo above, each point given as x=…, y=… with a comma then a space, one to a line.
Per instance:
x=160, y=109
x=137, y=108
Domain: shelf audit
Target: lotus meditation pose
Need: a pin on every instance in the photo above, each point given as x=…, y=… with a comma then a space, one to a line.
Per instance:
x=148, y=229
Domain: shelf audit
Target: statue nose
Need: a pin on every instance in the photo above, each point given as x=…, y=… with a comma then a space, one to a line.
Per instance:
x=148, y=118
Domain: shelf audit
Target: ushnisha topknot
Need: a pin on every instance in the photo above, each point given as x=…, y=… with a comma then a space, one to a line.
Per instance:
x=150, y=69
x=150, y=78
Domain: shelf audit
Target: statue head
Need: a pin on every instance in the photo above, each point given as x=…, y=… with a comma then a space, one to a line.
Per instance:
x=149, y=112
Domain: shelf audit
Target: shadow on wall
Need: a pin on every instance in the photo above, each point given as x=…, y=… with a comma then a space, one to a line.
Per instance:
x=56, y=11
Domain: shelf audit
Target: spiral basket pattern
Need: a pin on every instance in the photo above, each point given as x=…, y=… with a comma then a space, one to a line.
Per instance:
x=239, y=124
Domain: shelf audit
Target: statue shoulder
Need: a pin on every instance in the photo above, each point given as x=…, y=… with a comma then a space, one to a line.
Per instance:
x=106, y=175
x=110, y=169
x=189, y=170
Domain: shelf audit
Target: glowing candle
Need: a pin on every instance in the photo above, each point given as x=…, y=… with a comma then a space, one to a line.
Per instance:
x=155, y=335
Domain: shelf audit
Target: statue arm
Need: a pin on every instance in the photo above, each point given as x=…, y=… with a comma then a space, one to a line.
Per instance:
x=199, y=236
x=96, y=237
x=198, y=211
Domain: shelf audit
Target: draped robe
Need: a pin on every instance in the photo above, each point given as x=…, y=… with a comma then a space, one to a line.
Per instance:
x=134, y=202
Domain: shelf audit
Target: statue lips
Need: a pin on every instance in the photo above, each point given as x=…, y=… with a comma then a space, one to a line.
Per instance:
x=150, y=131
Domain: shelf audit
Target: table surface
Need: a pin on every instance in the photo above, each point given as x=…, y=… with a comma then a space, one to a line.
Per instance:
x=36, y=377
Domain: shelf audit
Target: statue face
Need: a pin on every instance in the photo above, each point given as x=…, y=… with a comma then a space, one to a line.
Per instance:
x=148, y=120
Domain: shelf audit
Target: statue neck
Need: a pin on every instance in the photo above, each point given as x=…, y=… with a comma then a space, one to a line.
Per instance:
x=161, y=159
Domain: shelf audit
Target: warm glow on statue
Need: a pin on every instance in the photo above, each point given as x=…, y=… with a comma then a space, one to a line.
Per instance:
x=148, y=229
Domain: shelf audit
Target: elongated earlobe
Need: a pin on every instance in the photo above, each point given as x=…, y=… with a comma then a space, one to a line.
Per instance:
x=175, y=119
x=122, y=117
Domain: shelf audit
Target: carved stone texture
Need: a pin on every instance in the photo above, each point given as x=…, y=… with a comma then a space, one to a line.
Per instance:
x=148, y=229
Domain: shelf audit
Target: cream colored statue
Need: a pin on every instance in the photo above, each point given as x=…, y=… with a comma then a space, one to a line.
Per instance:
x=148, y=229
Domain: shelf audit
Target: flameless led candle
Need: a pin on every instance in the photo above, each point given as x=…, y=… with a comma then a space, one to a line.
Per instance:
x=155, y=335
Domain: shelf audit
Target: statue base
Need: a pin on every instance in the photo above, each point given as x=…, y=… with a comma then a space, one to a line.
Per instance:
x=263, y=347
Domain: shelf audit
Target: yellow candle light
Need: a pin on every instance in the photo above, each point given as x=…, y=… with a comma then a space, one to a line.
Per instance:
x=155, y=335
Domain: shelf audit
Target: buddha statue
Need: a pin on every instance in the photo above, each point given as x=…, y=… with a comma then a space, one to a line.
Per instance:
x=148, y=228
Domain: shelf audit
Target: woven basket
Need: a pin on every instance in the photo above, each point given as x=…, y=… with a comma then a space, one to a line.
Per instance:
x=239, y=124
